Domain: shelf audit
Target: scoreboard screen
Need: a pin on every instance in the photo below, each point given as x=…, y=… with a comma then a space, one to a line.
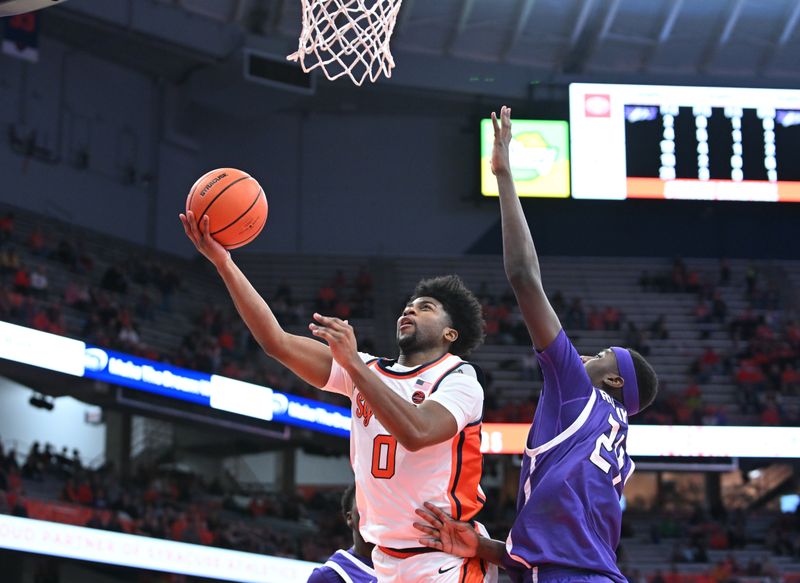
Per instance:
x=539, y=156
x=686, y=143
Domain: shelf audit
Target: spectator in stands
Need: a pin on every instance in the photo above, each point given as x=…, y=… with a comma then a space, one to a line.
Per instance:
x=719, y=309
x=39, y=282
x=612, y=318
x=724, y=272
x=9, y=261
x=65, y=253
x=326, y=298
x=594, y=319
x=679, y=275
x=19, y=508
x=658, y=329
x=22, y=281
x=114, y=280
x=636, y=339
x=6, y=228
x=36, y=242
x=575, y=318
x=790, y=380
x=750, y=280
x=702, y=313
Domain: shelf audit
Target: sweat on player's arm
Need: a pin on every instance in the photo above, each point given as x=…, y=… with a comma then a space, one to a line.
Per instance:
x=519, y=254
x=414, y=426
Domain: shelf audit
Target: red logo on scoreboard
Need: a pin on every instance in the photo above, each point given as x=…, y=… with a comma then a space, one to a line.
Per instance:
x=597, y=105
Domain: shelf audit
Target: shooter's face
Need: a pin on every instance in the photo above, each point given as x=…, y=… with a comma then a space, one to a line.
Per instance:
x=424, y=323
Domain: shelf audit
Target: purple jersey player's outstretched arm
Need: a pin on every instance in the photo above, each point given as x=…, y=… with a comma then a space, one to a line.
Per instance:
x=519, y=254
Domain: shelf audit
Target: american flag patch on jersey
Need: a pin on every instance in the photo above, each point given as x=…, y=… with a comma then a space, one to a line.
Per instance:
x=422, y=385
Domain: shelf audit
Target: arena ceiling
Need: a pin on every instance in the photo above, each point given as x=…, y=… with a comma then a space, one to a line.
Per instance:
x=733, y=38
x=512, y=48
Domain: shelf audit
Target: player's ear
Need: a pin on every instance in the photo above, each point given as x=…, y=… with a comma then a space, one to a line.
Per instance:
x=450, y=334
x=613, y=381
x=349, y=519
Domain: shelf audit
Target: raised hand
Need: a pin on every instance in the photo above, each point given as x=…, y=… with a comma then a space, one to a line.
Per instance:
x=502, y=141
x=340, y=337
x=202, y=239
x=445, y=534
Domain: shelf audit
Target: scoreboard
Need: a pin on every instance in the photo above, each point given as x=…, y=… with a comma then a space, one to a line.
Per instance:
x=698, y=143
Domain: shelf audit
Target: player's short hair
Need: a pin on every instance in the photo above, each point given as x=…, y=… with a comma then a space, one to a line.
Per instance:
x=461, y=305
x=347, y=500
x=646, y=378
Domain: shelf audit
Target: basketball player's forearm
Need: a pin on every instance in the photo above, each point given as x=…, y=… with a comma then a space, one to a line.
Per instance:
x=305, y=357
x=251, y=307
x=400, y=418
x=491, y=550
x=519, y=254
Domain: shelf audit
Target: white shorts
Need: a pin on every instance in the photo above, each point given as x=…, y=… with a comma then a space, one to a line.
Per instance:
x=433, y=567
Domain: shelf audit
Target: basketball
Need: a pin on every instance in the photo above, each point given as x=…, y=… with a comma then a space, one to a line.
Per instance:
x=234, y=202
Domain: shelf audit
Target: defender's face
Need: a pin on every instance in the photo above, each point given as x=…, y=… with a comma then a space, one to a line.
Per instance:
x=599, y=366
x=422, y=323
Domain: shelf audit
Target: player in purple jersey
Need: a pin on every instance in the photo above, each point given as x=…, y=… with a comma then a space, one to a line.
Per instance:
x=353, y=565
x=575, y=465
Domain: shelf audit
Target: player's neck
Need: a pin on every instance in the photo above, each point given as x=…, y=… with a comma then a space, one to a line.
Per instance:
x=418, y=357
x=363, y=548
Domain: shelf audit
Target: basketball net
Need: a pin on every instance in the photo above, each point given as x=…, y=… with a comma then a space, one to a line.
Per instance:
x=347, y=37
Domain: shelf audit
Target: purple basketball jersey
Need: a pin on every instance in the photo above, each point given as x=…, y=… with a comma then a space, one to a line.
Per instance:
x=345, y=566
x=573, y=471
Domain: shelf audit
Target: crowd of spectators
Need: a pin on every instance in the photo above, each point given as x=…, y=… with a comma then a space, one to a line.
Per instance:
x=108, y=306
x=764, y=358
x=172, y=503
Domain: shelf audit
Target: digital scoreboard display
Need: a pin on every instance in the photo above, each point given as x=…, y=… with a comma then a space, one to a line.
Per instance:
x=539, y=154
x=686, y=143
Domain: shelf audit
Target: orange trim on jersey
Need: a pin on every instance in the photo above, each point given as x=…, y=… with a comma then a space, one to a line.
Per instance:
x=406, y=553
x=465, y=473
x=413, y=372
x=473, y=571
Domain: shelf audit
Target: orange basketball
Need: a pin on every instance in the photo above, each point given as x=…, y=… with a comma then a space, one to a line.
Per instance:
x=234, y=202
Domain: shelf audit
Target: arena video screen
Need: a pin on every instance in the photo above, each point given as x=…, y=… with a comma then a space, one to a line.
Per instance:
x=684, y=143
x=539, y=158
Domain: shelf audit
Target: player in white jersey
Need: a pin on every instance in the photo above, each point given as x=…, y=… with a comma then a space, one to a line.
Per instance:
x=416, y=420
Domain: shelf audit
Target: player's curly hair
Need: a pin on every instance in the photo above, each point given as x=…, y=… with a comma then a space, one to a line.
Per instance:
x=646, y=379
x=461, y=305
x=347, y=500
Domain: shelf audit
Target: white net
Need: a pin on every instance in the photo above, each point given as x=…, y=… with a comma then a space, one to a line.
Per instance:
x=347, y=37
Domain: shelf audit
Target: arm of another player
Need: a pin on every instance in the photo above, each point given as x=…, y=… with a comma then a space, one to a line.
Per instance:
x=414, y=427
x=307, y=358
x=519, y=254
x=455, y=537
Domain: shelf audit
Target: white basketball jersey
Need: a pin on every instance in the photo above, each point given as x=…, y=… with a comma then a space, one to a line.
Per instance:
x=392, y=482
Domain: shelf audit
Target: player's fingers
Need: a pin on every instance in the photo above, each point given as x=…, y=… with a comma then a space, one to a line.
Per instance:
x=185, y=224
x=332, y=323
x=441, y=515
x=192, y=220
x=433, y=543
x=427, y=529
x=206, y=226
x=495, y=124
x=428, y=517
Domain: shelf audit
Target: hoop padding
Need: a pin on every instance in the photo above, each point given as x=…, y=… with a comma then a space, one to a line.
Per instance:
x=347, y=37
